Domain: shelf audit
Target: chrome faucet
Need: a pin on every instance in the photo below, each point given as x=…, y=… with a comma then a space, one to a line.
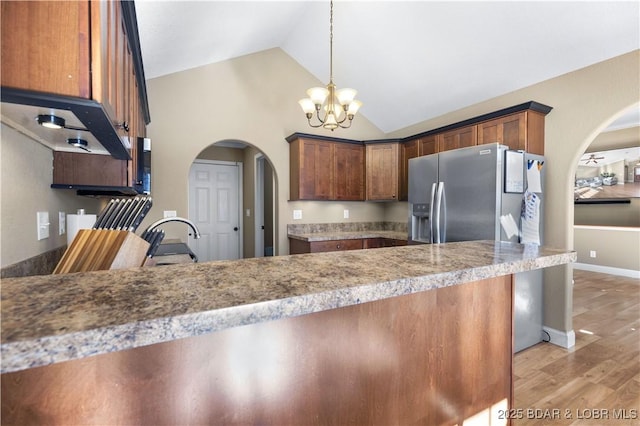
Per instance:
x=154, y=225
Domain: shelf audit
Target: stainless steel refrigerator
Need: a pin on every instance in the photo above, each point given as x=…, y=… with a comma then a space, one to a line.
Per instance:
x=477, y=193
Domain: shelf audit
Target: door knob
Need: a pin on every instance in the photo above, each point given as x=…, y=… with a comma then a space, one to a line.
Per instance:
x=235, y=228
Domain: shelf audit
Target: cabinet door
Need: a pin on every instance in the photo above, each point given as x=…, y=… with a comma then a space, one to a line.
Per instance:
x=348, y=171
x=382, y=171
x=410, y=149
x=458, y=138
x=310, y=169
x=71, y=168
x=428, y=145
x=335, y=245
x=509, y=130
x=45, y=46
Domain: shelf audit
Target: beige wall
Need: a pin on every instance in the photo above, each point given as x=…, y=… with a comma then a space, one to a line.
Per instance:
x=614, y=247
x=26, y=176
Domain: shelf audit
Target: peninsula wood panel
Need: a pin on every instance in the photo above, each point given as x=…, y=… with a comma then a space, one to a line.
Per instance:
x=432, y=358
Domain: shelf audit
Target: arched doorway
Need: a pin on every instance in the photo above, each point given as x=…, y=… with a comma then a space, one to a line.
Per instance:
x=606, y=203
x=238, y=220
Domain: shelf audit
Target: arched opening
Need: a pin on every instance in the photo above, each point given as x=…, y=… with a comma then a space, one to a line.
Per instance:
x=231, y=199
x=607, y=199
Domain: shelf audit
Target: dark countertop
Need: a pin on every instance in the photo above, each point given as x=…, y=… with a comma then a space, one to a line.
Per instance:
x=54, y=318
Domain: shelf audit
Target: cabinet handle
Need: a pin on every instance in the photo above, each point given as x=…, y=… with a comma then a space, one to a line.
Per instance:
x=123, y=126
x=338, y=246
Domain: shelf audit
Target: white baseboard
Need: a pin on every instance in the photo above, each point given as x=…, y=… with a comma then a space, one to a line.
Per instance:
x=630, y=273
x=564, y=339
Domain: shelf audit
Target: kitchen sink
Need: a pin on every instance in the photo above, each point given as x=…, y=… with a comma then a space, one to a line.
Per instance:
x=170, y=249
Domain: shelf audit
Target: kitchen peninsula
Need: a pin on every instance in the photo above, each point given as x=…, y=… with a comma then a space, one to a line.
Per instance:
x=413, y=334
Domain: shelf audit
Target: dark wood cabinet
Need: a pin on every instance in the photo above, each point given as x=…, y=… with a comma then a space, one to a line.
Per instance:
x=333, y=169
x=348, y=172
x=310, y=169
x=410, y=149
x=299, y=247
x=371, y=243
x=75, y=169
x=325, y=170
x=458, y=138
x=81, y=56
x=382, y=168
x=522, y=131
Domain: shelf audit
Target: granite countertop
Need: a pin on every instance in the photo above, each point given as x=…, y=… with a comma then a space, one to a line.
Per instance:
x=55, y=318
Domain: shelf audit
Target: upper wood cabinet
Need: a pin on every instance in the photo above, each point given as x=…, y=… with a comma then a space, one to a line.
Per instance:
x=418, y=147
x=325, y=170
x=348, y=172
x=310, y=169
x=522, y=131
x=382, y=168
x=74, y=169
x=78, y=56
x=458, y=138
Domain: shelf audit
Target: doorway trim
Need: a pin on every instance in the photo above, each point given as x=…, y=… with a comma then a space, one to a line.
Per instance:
x=258, y=205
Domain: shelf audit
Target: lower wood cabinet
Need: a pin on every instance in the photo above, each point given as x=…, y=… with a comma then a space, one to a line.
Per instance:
x=298, y=246
x=382, y=242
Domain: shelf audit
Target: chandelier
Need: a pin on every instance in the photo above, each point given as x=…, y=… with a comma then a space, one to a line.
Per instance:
x=332, y=107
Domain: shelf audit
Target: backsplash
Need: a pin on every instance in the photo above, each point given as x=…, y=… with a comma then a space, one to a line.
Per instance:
x=42, y=264
x=310, y=228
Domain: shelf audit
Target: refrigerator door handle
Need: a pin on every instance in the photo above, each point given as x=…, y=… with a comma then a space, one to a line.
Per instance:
x=431, y=218
x=443, y=198
x=438, y=238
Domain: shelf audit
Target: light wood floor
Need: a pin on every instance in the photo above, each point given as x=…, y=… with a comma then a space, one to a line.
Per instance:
x=602, y=371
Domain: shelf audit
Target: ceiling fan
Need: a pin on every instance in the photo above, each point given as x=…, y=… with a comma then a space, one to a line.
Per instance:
x=593, y=158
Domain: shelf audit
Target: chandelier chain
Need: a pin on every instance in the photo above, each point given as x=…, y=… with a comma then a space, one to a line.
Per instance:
x=331, y=43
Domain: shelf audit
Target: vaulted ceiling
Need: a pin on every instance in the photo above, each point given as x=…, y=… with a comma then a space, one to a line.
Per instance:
x=409, y=60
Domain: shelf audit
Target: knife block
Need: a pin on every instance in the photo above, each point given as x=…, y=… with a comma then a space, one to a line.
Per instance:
x=102, y=249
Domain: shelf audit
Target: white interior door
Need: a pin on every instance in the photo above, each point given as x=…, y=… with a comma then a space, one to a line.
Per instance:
x=214, y=206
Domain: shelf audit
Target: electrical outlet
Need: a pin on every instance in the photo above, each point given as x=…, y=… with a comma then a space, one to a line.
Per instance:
x=346, y=214
x=169, y=213
x=297, y=214
x=592, y=253
x=62, y=223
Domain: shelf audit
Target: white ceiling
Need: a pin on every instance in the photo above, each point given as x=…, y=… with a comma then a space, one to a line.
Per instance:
x=409, y=60
x=603, y=158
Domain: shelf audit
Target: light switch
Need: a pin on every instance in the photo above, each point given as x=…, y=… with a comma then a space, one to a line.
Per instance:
x=169, y=213
x=248, y=212
x=62, y=223
x=297, y=214
x=43, y=225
